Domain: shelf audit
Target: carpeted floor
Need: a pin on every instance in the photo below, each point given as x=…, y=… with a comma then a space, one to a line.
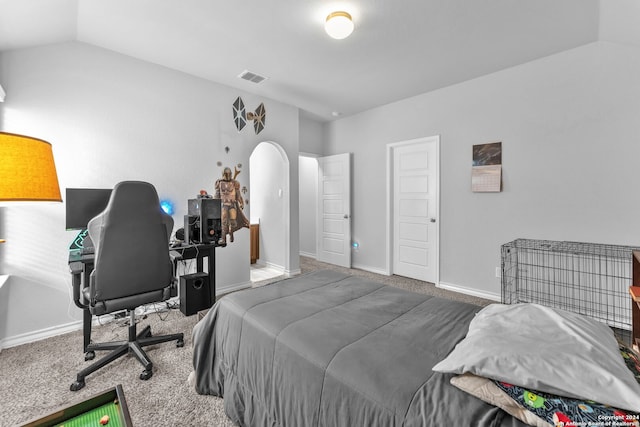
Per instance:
x=35, y=377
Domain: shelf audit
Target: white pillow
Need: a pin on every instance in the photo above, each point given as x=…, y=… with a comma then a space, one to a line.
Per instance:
x=546, y=349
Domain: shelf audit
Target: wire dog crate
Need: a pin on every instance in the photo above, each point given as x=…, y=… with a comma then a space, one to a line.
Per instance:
x=585, y=278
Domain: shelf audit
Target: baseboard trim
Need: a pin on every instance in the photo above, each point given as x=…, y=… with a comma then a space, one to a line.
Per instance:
x=291, y=273
x=370, y=269
x=270, y=265
x=53, y=331
x=280, y=269
x=41, y=334
x=77, y=325
x=232, y=288
x=274, y=266
x=469, y=291
x=308, y=254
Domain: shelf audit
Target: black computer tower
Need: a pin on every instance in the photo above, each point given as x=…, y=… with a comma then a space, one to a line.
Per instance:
x=195, y=293
x=203, y=224
x=210, y=220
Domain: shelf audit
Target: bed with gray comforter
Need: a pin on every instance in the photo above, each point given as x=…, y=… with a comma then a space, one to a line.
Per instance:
x=328, y=349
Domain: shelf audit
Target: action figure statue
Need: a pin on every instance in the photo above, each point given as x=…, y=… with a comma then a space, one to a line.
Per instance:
x=228, y=190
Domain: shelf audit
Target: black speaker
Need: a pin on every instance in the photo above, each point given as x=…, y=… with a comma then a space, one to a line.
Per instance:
x=195, y=293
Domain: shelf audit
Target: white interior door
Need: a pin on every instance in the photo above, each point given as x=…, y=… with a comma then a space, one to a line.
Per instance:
x=334, y=209
x=415, y=209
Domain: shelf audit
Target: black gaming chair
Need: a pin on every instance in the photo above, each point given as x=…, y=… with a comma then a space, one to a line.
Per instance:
x=132, y=267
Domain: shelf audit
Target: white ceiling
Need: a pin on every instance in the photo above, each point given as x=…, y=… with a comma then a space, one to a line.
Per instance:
x=399, y=48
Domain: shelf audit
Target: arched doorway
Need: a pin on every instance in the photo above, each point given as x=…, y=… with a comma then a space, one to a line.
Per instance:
x=269, y=204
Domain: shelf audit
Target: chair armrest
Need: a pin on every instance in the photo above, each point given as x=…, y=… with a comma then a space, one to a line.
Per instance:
x=76, y=269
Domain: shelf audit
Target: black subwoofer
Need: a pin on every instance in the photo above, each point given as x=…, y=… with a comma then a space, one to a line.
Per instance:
x=195, y=293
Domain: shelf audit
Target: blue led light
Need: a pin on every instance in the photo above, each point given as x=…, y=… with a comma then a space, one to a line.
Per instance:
x=167, y=206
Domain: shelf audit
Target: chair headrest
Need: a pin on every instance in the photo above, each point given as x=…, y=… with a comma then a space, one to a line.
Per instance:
x=133, y=199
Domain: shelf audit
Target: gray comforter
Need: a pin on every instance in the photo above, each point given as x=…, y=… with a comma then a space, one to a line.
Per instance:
x=327, y=349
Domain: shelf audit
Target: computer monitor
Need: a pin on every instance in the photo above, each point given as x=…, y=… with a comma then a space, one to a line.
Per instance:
x=83, y=204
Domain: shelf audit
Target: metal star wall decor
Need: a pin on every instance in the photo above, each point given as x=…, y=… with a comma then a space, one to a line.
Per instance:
x=240, y=116
x=259, y=118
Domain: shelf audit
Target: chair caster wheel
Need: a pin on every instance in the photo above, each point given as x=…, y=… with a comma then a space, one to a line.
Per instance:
x=180, y=343
x=89, y=355
x=145, y=375
x=77, y=385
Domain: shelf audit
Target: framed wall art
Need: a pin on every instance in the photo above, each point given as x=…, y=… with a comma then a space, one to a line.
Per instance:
x=486, y=172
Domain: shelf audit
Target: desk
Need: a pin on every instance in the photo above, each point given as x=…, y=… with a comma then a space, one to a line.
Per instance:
x=199, y=252
x=81, y=267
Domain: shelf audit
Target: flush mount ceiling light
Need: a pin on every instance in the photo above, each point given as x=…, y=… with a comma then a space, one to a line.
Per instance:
x=339, y=25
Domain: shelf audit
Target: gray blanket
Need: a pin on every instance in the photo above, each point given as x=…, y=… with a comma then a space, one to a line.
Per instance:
x=327, y=349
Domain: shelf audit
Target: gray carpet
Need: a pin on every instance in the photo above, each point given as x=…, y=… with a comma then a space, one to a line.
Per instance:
x=35, y=377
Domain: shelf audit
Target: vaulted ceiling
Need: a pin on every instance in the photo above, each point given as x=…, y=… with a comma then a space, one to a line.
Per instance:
x=398, y=49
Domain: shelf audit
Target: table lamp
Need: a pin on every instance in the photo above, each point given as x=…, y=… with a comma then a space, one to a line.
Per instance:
x=27, y=170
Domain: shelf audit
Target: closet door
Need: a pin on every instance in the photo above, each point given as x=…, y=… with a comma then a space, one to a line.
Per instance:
x=415, y=209
x=334, y=209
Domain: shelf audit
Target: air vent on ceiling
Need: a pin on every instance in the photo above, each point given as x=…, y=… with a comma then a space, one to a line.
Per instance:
x=252, y=77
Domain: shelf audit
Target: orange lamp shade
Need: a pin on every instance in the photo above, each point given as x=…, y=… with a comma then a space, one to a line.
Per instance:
x=27, y=169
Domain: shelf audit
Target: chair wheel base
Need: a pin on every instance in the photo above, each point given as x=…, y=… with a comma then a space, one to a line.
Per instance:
x=145, y=375
x=89, y=355
x=77, y=385
x=180, y=343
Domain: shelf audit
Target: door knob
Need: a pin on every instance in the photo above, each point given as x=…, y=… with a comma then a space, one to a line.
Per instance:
x=346, y=216
x=433, y=220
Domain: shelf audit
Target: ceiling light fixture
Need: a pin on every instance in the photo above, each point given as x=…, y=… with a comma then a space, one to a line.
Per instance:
x=339, y=25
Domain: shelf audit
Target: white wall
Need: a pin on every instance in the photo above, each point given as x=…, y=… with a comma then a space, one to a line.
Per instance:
x=268, y=188
x=311, y=136
x=111, y=118
x=619, y=21
x=308, y=173
x=569, y=130
x=311, y=146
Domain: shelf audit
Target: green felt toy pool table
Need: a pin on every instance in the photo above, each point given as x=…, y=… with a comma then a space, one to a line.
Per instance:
x=106, y=409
